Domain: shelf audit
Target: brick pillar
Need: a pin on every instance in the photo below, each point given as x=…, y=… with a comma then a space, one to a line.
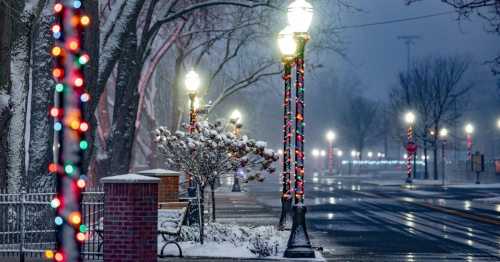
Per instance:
x=168, y=189
x=130, y=218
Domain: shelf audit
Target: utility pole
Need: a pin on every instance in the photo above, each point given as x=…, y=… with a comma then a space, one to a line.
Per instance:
x=409, y=40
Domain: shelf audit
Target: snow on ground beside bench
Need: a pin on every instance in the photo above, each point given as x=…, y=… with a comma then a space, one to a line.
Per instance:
x=232, y=241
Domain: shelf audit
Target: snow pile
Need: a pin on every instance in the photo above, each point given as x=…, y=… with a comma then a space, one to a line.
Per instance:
x=226, y=240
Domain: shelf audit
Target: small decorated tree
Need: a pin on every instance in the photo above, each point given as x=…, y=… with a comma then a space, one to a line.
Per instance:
x=212, y=150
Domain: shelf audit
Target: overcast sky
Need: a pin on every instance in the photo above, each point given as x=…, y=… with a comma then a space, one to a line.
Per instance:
x=376, y=55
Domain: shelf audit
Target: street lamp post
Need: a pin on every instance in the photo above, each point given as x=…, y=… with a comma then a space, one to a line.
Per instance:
x=330, y=137
x=443, y=135
x=322, y=154
x=469, y=130
x=300, y=14
x=288, y=48
x=235, y=119
x=192, y=84
x=411, y=146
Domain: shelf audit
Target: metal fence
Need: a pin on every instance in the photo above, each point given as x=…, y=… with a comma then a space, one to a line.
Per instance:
x=27, y=223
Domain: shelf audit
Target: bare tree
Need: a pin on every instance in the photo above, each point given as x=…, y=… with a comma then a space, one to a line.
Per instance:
x=433, y=87
x=360, y=121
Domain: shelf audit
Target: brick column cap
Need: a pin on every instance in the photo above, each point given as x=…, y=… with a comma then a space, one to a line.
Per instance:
x=130, y=179
x=159, y=172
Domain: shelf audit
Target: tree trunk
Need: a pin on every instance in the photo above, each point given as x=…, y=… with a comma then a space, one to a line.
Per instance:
x=435, y=159
x=19, y=75
x=426, y=167
x=125, y=109
x=212, y=189
x=42, y=94
x=5, y=107
x=173, y=105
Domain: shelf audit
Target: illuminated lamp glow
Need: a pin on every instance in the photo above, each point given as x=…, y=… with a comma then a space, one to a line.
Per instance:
x=78, y=82
x=84, y=127
x=59, y=257
x=59, y=87
x=80, y=236
x=85, y=97
x=52, y=167
x=73, y=45
x=54, y=112
x=58, y=220
x=80, y=183
x=83, y=59
x=58, y=7
x=57, y=72
x=85, y=20
x=49, y=254
x=56, y=28
x=57, y=126
x=75, y=218
x=56, y=51
x=55, y=202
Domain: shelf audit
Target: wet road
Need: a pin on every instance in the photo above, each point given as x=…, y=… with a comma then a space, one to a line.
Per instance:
x=355, y=221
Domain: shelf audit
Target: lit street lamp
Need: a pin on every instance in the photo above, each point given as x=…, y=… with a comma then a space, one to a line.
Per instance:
x=330, y=137
x=411, y=147
x=300, y=14
x=469, y=130
x=370, y=154
x=235, y=119
x=288, y=48
x=192, y=83
x=443, y=135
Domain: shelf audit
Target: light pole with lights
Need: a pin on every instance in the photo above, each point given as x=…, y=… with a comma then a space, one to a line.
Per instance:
x=192, y=83
x=330, y=137
x=411, y=147
x=300, y=14
x=235, y=120
x=443, y=136
x=288, y=48
x=469, y=130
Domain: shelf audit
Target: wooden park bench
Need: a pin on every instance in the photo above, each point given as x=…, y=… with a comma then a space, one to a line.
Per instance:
x=171, y=216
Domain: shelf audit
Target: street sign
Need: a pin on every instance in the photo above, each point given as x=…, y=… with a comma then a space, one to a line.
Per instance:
x=411, y=147
x=478, y=162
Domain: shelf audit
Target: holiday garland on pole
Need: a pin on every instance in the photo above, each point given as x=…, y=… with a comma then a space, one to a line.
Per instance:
x=287, y=141
x=409, y=155
x=299, y=121
x=70, y=129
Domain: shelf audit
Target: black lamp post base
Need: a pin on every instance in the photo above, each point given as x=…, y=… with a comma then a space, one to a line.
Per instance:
x=286, y=211
x=299, y=245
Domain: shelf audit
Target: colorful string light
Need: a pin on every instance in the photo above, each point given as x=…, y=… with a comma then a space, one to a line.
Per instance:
x=299, y=121
x=69, y=128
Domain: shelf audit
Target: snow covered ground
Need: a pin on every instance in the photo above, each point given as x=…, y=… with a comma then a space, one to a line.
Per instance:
x=495, y=185
x=494, y=200
x=232, y=241
x=398, y=182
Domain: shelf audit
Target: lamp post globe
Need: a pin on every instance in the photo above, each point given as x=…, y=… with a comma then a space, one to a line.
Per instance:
x=410, y=118
x=192, y=82
x=443, y=133
x=469, y=129
x=287, y=43
x=498, y=123
x=330, y=136
x=236, y=116
x=300, y=14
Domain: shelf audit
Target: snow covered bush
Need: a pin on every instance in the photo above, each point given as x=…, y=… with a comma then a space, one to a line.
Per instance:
x=212, y=150
x=263, y=241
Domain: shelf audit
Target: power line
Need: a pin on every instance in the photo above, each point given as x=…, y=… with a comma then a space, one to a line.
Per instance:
x=400, y=20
